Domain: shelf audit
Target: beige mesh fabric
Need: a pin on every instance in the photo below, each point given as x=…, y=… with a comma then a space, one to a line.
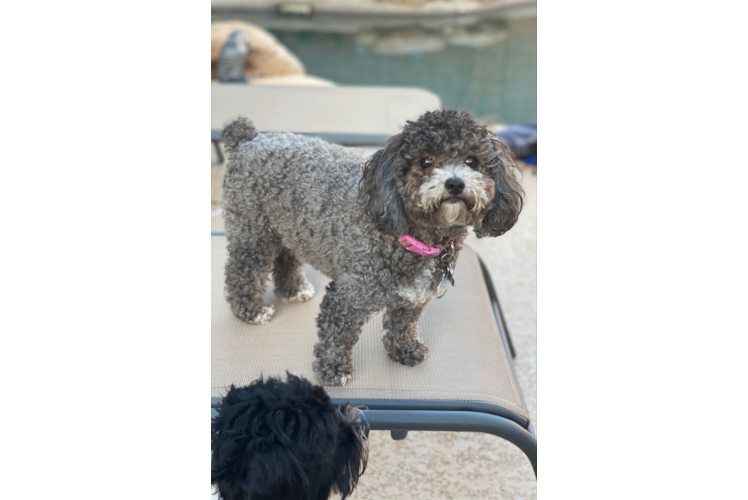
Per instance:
x=466, y=361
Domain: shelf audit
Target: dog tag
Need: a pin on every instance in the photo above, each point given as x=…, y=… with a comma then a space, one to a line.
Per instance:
x=448, y=280
x=450, y=273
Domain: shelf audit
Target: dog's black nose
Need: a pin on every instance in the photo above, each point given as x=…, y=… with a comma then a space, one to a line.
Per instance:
x=454, y=185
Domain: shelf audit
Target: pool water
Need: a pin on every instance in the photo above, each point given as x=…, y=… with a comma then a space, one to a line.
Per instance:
x=488, y=68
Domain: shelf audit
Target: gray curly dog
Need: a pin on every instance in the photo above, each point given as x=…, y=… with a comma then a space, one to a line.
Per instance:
x=290, y=199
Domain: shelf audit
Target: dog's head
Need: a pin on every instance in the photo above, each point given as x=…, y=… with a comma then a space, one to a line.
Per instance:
x=286, y=440
x=443, y=170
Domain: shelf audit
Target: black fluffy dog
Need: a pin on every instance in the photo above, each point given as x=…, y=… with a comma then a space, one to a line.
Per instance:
x=275, y=440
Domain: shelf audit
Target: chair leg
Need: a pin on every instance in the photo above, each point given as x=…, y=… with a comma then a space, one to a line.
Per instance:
x=456, y=421
x=398, y=435
x=219, y=153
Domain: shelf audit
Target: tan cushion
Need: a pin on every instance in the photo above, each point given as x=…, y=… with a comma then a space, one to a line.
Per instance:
x=466, y=362
x=316, y=109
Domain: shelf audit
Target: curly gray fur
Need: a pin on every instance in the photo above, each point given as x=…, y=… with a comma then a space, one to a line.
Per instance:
x=241, y=130
x=290, y=199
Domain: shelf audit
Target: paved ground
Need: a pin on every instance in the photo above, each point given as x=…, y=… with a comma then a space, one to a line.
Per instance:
x=462, y=465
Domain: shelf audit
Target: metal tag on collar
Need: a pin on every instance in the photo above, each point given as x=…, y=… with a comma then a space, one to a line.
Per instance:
x=447, y=281
x=448, y=277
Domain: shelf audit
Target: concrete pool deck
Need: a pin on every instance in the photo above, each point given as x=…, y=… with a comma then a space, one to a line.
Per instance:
x=464, y=465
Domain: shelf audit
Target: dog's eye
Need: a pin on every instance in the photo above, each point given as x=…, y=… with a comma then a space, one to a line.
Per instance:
x=426, y=163
x=471, y=162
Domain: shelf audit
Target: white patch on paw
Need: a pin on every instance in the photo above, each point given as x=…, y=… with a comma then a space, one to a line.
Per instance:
x=264, y=317
x=306, y=293
x=338, y=381
x=426, y=355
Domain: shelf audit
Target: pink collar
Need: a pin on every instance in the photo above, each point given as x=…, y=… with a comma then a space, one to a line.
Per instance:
x=413, y=245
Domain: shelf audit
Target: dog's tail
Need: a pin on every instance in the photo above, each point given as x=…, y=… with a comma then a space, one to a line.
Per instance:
x=237, y=132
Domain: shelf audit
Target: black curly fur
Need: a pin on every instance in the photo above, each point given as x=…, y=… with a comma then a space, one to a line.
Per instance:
x=508, y=197
x=378, y=190
x=285, y=440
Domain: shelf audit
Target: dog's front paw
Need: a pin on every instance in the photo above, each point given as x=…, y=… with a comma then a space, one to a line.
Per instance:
x=305, y=293
x=339, y=380
x=332, y=375
x=254, y=316
x=407, y=355
x=264, y=316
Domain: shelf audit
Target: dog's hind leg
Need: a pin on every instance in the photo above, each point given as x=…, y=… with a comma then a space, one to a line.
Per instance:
x=251, y=252
x=290, y=283
x=401, y=335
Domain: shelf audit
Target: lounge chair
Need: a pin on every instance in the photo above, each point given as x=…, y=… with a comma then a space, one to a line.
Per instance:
x=466, y=384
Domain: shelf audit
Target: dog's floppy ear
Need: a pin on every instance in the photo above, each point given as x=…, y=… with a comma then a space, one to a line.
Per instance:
x=508, y=194
x=353, y=450
x=378, y=190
